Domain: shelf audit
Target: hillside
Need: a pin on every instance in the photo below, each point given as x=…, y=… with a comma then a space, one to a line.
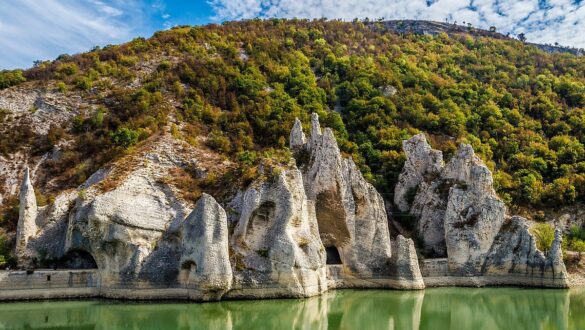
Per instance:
x=232, y=92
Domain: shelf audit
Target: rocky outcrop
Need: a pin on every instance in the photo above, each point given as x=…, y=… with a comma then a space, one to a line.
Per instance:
x=350, y=212
x=128, y=218
x=404, y=264
x=417, y=191
x=276, y=245
x=27, y=217
x=297, y=138
x=130, y=230
x=474, y=212
x=526, y=261
x=459, y=215
x=422, y=162
x=204, y=246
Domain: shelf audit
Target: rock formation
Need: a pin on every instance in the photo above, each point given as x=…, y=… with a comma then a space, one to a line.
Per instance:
x=417, y=191
x=526, y=261
x=404, y=264
x=276, y=245
x=297, y=136
x=27, y=217
x=422, y=163
x=130, y=230
x=142, y=240
x=474, y=212
x=204, y=246
x=350, y=212
x=459, y=215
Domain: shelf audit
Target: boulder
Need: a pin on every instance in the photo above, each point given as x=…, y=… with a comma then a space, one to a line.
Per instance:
x=276, y=250
x=404, y=264
x=205, y=250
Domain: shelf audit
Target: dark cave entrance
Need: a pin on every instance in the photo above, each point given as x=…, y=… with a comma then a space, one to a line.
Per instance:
x=333, y=257
x=77, y=259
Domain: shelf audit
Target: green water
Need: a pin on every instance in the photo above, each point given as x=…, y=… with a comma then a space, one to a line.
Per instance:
x=447, y=308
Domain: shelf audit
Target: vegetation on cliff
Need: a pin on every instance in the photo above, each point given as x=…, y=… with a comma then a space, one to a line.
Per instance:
x=241, y=84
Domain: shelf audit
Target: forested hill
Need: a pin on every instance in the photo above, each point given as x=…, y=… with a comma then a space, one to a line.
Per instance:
x=241, y=84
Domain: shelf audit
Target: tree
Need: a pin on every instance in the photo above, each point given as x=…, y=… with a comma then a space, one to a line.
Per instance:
x=544, y=235
x=125, y=137
x=522, y=37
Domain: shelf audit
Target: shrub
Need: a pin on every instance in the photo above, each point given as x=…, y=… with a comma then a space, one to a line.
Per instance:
x=577, y=245
x=67, y=69
x=217, y=141
x=125, y=137
x=5, y=257
x=61, y=87
x=544, y=235
x=11, y=78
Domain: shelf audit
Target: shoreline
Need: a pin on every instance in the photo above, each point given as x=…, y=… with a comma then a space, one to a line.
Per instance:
x=85, y=285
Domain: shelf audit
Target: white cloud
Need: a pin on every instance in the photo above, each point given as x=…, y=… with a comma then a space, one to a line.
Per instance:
x=107, y=9
x=33, y=29
x=545, y=21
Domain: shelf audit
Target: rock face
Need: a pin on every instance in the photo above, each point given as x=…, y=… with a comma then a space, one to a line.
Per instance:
x=459, y=215
x=131, y=231
x=27, y=227
x=276, y=245
x=526, y=261
x=422, y=162
x=205, y=249
x=474, y=212
x=297, y=137
x=423, y=165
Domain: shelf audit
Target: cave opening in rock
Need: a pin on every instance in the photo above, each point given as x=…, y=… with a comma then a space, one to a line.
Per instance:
x=189, y=265
x=333, y=257
x=77, y=259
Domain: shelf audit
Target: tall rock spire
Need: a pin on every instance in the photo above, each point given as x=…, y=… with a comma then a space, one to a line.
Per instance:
x=315, y=128
x=27, y=215
x=297, y=138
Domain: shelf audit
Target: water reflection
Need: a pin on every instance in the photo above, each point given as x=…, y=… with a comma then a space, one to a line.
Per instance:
x=450, y=308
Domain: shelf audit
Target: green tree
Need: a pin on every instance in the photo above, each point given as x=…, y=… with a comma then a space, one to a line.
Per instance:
x=125, y=137
x=544, y=235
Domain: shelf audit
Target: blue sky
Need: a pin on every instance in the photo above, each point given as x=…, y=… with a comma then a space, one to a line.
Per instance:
x=42, y=29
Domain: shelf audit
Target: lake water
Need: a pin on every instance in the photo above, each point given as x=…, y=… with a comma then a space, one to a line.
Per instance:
x=444, y=308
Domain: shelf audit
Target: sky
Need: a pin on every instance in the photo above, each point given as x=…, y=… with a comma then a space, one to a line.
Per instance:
x=43, y=29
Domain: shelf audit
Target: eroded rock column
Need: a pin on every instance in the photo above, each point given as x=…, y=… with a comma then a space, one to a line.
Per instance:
x=27, y=227
x=205, y=250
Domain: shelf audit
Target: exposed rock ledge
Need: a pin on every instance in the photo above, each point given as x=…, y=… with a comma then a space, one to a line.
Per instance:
x=297, y=234
x=459, y=216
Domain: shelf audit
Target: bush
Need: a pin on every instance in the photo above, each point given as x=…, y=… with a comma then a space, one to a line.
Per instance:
x=544, y=235
x=218, y=141
x=4, y=251
x=11, y=78
x=125, y=137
